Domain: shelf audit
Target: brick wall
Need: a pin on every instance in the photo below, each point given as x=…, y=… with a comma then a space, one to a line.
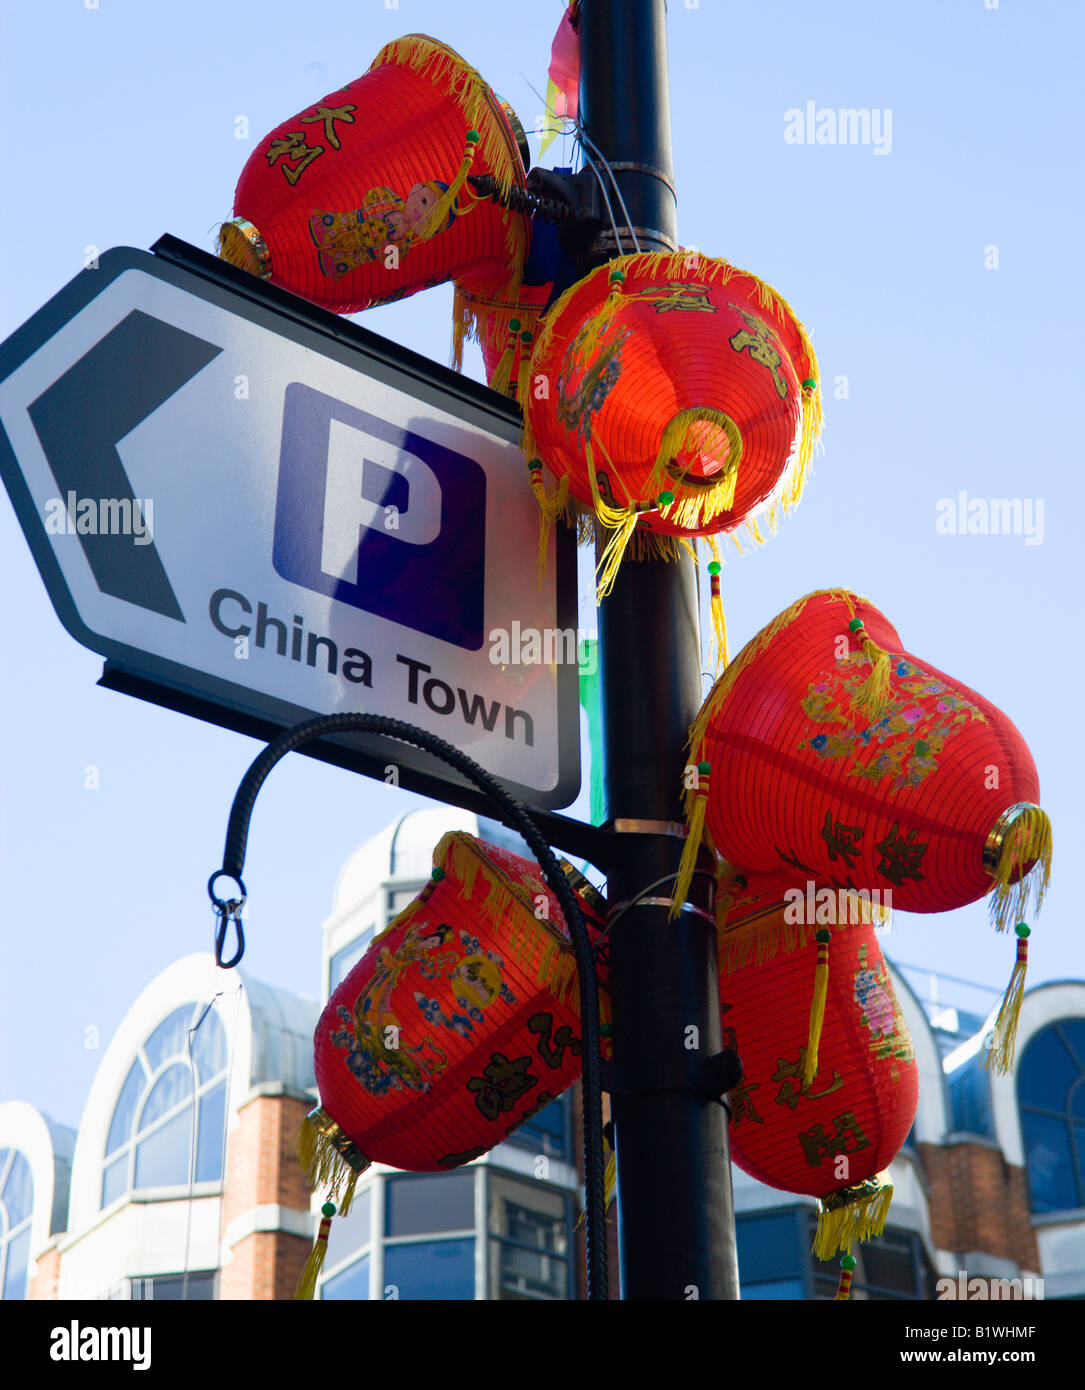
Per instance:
x=45, y=1281
x=262, y=1169
x=978, y=1201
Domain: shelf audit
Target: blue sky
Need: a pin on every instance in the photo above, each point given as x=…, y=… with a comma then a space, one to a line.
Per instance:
x=958, y=377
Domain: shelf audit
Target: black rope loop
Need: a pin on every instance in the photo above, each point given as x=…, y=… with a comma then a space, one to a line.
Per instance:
x=513, y=814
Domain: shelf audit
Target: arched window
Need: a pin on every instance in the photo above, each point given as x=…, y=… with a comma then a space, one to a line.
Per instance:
x=16, y=1209
x=1051, y=1098
x=177, y=1078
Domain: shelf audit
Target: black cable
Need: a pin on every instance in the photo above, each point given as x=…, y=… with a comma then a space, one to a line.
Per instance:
x=549, y=209
x=514, y=814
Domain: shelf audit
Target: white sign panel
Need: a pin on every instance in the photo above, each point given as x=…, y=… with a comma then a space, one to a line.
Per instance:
x=248, y=499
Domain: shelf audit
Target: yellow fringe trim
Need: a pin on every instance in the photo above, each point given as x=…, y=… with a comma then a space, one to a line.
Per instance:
x=446, y=70
x=763, y=937
x=325, y=1167
x=692, y=848
x=510, y=905
x=610, y=1180
x=999, y=1050
x=852, y=1214
x=1028, y=838
x=680, y=433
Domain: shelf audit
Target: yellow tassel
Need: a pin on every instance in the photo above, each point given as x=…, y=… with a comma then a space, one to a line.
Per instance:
x=873, y=695
x=610, y=1180
x=694, y=838
x=329, y=1159
x=523, y=376
x=852, y=1214
x=503, y=371
x=817, y=1005
x=551, y=507
x=843, y=1288
x=589, y=337
x=998, y=1054
x=1022, y=836
x=315, y=1263
x=437, y=218
x=719, y=620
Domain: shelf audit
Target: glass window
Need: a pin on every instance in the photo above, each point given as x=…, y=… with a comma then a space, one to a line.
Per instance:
x=531, y=1226
x=209, y=1047
x=170, y=1038
x=166, y=1091
x=16, y=1211
x=162, y=1159
x=1047, y=1071
x=438, y=1269
x=18, y=1190
x=548, y=1132
x=892, y=1266
x=351, y=1283
x=18, y=1256
x=170, y=1288
x=1051, y=1099
x=402, y=898
x=424, y=1204
x=172, y=1087
x=769, y=1248
x=124, y=1114
x=789, y=1289
x=115, y=1180
x=344, y=961
x=1047, y=1157
x=350, y=1233
x=212, y=1131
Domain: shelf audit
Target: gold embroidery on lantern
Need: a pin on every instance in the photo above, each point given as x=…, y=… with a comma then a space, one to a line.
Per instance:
x=763, y=348
x=817, y=1145
x=329, y=115
x=794, y=1087
x=290, y=146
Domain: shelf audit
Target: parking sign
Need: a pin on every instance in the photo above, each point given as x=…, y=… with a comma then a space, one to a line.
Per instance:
x=256, y=510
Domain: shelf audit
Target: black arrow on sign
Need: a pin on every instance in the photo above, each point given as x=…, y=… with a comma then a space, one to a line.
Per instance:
x=81, y=418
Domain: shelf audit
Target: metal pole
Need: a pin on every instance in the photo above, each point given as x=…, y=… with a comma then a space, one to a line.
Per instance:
x=675, y=1210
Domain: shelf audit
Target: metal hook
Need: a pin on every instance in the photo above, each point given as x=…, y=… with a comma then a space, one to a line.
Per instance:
x=227, y=909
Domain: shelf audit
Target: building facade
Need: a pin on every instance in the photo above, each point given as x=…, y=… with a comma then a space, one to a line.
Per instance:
x=183, y=1182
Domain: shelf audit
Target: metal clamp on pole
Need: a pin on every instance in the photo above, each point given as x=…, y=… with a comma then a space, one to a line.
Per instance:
x=693, y=1074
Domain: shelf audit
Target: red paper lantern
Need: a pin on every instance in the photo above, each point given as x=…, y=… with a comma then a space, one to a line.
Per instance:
x=672, y=396
x=830, y=1131
x=457, y=1025
x=364, y=198
x=833, y=750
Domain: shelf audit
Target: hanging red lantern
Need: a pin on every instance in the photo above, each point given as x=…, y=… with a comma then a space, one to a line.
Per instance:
x=366, y=196
x=504, y=326
x=835, y=751
x=456, y=1026
x=672, y=397
x=832, y=1131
